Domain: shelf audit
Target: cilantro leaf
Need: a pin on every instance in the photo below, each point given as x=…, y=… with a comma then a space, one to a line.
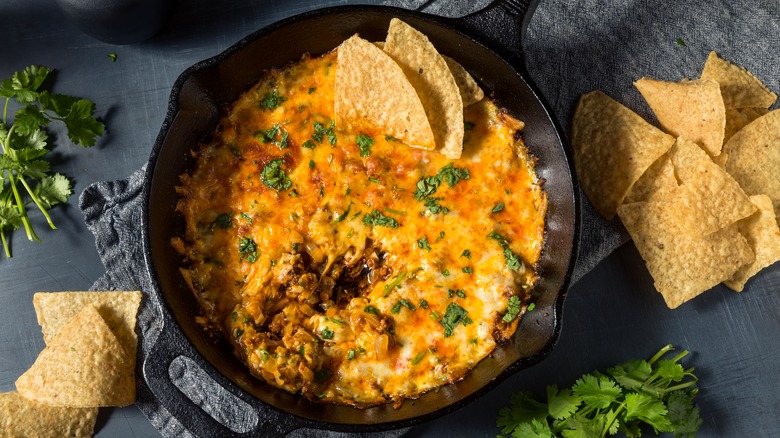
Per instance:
x=271, y=100
x=597, y=392
x=28, y=119
x=561, y=403
x=248, y=249
x=652, y=411
x=453, y=316
x=377, y=219
x=83, y=129
x=53, y=190
x=683, y=415
x=514, y=305
x=274, y=176
x=523, y=408
x=365, y=143
x=423, y=244
x=452, y=174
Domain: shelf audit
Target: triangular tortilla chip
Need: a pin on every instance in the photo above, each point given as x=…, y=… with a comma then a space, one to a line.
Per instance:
x=737, y=119
x=691, y=109
x=682, y=267
x=118, y=309
x=470, y=92
x=427, y=70
x=613, y=147
x=754, y=157
x=372, y=89
x=739, y=88
x=658, y=183
x=763, y=235
x=709, y=199
x=20, y=417
x=83, y=366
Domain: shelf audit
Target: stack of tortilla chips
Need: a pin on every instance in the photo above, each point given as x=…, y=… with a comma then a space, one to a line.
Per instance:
x=88, y=362
x=405, y=87
x=701, y=198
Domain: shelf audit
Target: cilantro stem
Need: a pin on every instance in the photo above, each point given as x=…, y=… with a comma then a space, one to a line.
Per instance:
x=22, y=211
x=667, y=348
x=5, y=109
x=37, y=202
x=5, y=244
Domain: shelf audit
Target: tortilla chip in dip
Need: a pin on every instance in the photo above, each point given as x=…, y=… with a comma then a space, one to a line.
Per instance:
x=83, y=365
x=763, y=235
x=691, y=109
x=739, y=88
x=709, y=199
x=371, y=88
x=21, y=417
x=754, y=157
x=428, y=73
x=470, y=91
x=613, y=147
x=682, y=266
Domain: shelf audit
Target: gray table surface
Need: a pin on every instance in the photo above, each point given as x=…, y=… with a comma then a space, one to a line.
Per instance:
x=611, y=315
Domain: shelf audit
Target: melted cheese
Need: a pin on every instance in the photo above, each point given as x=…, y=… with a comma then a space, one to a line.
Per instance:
x=314, y=297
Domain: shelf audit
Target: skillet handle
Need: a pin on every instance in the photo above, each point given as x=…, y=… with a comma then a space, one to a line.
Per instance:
x=502, y=26
x=172, y=344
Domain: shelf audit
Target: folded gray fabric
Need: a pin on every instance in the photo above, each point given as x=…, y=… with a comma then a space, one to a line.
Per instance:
x=570, y=48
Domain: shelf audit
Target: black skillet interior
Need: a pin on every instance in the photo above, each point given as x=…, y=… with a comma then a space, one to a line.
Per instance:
x=193, y=113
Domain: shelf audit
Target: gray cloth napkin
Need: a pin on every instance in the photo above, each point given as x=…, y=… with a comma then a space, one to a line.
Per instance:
x=570, y=48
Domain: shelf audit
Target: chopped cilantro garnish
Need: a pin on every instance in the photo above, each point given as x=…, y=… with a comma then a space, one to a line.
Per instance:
x=423, y=304
x=344, y=215
x=426, y=187
x=377, y=219
x=422, y=243
x=418, y=358
x=458, y=292
x=335, y=321
x=395, y=283
x=311, y=164
x=445, y=272
x=327, y=333
x=680, y=42
x=441, y=236
x=351, y=354
x=112, y=57
x=365, y=143
x=247, y=218
x=371, y=309
x=271, y=100
x=402, y=303
x=466, y=253
x=453, y=316
x=390, y=138
x=468, y=270
x=513, y=309
x=390, y=210
x=498, y=208
x=531, y=307
x=309, y=144
x=513, y=261
x=454, y=174
x=274, y=176
x=312, y=90
x=248, y=249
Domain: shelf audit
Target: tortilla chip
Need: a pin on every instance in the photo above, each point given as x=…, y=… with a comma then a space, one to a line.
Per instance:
x=754, y=157
x=739, y=88
x=682, y=267
x=613, y=147
x=428, y=73
x=737, y=119
x=691, y=109
x=83, y=366
x=371, y=88
x=470, y=92
x=23, y=418
x=763, y=235
x=118, y=309
x=658, y=183
x=709, y=199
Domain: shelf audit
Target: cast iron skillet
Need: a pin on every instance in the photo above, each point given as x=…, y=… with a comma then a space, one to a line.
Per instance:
x=487, y=44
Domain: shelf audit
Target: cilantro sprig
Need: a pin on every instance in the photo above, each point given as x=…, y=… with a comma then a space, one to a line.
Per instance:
x=656, y=393
x=24, y=144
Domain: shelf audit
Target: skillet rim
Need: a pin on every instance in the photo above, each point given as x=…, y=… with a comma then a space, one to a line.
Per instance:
x=450, y=26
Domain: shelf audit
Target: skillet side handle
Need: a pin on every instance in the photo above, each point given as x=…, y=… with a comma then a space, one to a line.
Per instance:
x=502, y=26
x=171, y=344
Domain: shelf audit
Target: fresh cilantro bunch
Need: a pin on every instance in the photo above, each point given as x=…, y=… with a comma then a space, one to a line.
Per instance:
x=657, y=393
x=24, y=145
